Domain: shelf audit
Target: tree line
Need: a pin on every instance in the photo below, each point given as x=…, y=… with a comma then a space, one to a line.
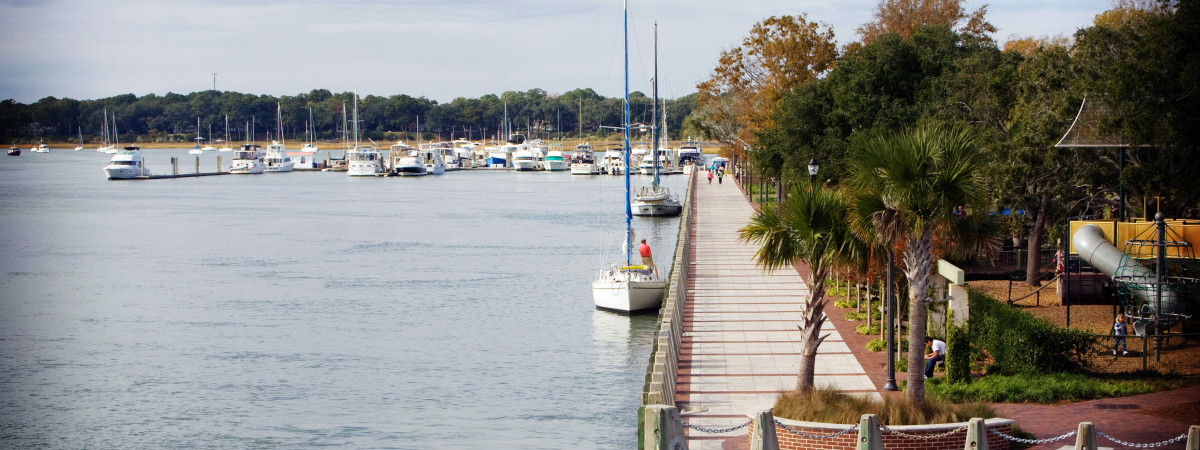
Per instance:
x=173, y=117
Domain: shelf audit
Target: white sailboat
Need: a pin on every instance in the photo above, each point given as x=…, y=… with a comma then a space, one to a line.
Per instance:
x=105, y=145
x=626, y=287
x=276, y=159
x=209, y=147
x=79, y=147
x=196, y=150
x=655, y=200
x=311, y=128
x=226, y=148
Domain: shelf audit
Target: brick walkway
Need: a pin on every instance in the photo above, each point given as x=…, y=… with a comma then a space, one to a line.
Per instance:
x=740, y=344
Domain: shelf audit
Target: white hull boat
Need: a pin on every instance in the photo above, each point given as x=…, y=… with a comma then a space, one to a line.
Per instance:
x=247, y=161
x=628, y=289
x=277, y=159
x=127, y=164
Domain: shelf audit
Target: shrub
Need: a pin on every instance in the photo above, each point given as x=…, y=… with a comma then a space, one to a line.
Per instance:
x=958, y=358
x=1021, y=343
x=863, y=329
x=845, y=303
x=830, y=406
x=877, y=345
x=1034, y=388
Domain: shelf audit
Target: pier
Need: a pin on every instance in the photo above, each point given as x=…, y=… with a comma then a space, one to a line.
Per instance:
x=740, y=348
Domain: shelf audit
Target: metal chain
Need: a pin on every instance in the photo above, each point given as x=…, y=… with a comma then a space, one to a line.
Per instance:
x=1156, y=444
x=921, y=436
x=711, y=430
x=815, y=436
x=1029, y=441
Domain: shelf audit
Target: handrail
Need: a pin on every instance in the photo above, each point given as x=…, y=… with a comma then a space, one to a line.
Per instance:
x=662, y=372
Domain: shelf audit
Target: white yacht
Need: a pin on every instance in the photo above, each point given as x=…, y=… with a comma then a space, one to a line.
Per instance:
x=647, y=165
x=690, y=153
x=276, y=159
x=248, y=160
x=127, y=164
x=364, y=161
x=555, y=161
x=409, y=165
x=613, y=162
x=432, y=156
x=43, y=148
x=524, y=159
x=583, y=161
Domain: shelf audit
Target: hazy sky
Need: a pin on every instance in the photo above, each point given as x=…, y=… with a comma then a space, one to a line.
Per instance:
x=440, y=49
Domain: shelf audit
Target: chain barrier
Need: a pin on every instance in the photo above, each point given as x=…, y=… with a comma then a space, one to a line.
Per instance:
x=815, y=436
x=710, y=430
x=921, y=436
x=1029, y=441
x=1135, y=445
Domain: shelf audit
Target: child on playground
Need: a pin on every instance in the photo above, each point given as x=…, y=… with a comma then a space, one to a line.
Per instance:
x=1119, y=332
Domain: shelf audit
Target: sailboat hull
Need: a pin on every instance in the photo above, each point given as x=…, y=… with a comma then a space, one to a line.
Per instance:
x=628, y=292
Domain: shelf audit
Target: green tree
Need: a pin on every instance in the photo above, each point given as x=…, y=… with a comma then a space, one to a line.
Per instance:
x=908, y=185
x=810, y=228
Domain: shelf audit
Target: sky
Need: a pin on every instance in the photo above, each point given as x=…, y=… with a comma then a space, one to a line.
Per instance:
x=438, y=49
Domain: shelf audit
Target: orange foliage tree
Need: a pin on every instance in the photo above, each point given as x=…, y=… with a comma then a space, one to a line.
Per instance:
x=778, y=54
x=904, y=17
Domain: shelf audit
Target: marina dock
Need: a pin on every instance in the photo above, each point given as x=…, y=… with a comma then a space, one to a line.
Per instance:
x=740, y=345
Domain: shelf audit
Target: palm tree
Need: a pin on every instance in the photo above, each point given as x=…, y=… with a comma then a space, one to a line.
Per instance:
x=908, y=186
x=810, y=228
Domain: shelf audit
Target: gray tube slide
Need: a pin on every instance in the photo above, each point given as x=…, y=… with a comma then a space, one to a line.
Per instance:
x=1095, y=250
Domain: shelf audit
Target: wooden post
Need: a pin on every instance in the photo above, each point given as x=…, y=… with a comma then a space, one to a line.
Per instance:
x=1193, y=440
x=197, y=164
x=764, y=432
x=174, y=165
x=219, y=162
x=976, y=435
x=662, y=431
x=868, y=433
x=1085, y=437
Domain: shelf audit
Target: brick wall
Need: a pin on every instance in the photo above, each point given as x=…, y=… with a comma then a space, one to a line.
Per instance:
x=790, y=441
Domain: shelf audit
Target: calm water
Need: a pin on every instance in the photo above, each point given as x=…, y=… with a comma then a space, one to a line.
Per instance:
x=313, y=309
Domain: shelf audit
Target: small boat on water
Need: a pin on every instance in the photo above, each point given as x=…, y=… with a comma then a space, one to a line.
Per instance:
x=655, y=200
x=41, y=148
x=127, y=164
x=276, y=159
x=555, y=161
x=583, y=161
x=363, y=161
x=79, y=148
x=497, y=157
x=523, y=160
x=613, y=162
x=14, y=151
x=410, y=165
x=248, y=160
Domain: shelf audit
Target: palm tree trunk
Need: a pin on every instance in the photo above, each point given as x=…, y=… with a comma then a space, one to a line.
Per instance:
x=810, y=332
x=918, y=262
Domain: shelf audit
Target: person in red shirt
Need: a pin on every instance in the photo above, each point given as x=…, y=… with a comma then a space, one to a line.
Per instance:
x=647, y=259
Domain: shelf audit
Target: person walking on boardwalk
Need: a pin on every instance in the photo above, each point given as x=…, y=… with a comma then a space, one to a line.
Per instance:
x=1119, y=332
x=720, y=175
x=647, y=259
x=710, y=176
x=937, y=355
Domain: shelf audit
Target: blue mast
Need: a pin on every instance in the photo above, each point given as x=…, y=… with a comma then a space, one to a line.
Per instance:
x=628, y=209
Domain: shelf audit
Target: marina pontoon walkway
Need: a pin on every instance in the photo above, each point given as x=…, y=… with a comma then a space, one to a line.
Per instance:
x=741, y=347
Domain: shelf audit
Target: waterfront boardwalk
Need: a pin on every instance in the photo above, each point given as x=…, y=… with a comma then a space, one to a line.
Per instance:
x=740, y=346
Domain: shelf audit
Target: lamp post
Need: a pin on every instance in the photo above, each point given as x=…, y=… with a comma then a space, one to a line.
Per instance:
x=813, y=168
x=890, y=306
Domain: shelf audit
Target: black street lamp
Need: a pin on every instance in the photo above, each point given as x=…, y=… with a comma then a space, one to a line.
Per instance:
x=890, y=307
x=813, y=168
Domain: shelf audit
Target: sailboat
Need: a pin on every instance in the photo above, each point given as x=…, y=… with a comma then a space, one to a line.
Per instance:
x=112, y=149
x=104, y=144
x=277, y=159
x=79, y=147
x=196, y=150
x=311, y=128
x=655, y=200
x=625, y=287
x=226, y=148
x=209, y=147
x=363, y=161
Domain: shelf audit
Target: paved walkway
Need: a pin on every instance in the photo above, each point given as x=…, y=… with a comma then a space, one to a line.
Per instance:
x=740, y=343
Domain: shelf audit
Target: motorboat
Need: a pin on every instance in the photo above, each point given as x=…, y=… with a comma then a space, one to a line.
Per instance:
x=433, y=157
x=14, y=151
x=649, y=165
x=556, y=161
x=276, y=159
x=409, y=165
x=364, y=161
x=248, y=160
x=127, y=164
x=524, y=159
x=41, y=148
x=626, y=287
x=583, y=161
x=690, y=153
x=613, y=162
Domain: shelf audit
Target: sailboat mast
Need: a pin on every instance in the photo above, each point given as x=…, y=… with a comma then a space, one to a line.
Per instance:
x=355, y=119
x=654, y=116
x=628, y=208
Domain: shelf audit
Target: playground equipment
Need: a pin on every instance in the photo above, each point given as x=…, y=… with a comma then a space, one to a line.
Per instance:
x=1155, y=275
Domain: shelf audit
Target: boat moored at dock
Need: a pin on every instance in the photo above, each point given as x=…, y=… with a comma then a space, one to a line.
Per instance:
x=583, y=161
x=248, y=160
x=127, y=164
x=277, y=159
